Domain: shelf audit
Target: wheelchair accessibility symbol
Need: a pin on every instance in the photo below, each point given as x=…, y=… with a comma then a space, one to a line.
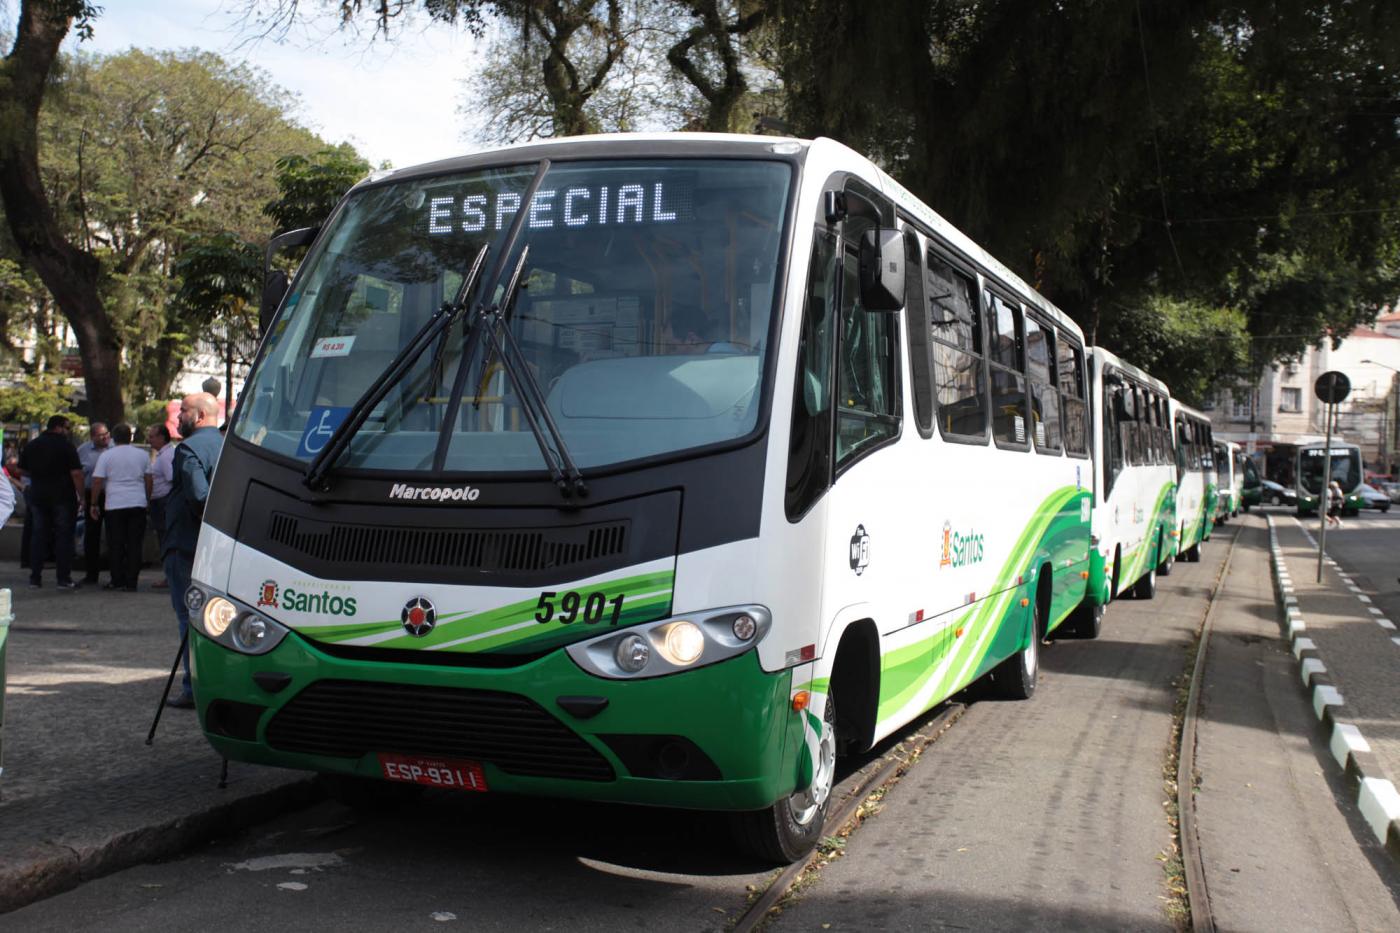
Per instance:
x=320, y=425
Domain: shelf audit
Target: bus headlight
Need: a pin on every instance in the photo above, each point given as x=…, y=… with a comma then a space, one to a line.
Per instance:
x=218, y=614
x=632, y=653
x=667, y=646
x=683, y=644
x=250, y=632
x=236, y=627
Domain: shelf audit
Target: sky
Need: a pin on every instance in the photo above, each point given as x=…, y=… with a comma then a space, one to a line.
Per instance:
x=394, y=101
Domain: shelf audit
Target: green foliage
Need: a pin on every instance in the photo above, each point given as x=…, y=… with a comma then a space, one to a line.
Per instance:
x=309, y=187
x=149, y=155
x=34, y=399
x=149, y=413
x=1142, y=162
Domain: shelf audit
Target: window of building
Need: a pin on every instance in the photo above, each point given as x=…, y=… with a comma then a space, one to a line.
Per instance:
x=1291, y=399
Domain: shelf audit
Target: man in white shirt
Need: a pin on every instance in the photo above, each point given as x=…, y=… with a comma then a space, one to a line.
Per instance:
x=158, y=478
x=120, y=474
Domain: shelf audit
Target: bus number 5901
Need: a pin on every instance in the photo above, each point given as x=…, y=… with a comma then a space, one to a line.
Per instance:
x=592, y=606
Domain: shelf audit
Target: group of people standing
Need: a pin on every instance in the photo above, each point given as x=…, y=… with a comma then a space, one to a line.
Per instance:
x=119, y=487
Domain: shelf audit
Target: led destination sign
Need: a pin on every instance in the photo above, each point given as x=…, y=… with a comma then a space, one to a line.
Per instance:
x=578, y=207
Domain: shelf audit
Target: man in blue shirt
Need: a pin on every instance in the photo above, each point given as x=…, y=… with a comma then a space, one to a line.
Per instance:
x=195, y=460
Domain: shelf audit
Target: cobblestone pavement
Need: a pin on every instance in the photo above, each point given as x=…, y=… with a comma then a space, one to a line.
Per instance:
x=82, y=794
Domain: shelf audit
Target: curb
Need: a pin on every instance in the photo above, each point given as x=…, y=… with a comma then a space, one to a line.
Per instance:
x=1376, y=796
x=63, y=868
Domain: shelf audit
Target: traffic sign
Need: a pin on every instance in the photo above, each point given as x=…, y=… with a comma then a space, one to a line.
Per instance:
x=1332, y=387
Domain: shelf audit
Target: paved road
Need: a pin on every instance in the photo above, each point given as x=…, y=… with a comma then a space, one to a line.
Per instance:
x=1045, y=815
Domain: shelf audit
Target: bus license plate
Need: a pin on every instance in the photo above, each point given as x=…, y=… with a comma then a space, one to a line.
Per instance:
x=452, y=773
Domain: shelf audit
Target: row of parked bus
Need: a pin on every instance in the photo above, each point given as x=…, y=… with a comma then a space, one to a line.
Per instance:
x=663, y=469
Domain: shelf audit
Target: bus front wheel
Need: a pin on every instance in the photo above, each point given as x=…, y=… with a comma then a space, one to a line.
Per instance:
x=1015, y=678
x=791, y=828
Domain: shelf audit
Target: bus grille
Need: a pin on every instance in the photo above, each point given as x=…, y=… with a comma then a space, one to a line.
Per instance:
x=351, y=718
x=500, y=550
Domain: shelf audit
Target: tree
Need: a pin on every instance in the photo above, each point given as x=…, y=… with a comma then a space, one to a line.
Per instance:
x=309, y=187
x=1125, y=158
x=708, y=57
x=70, y=273
x=34, y=399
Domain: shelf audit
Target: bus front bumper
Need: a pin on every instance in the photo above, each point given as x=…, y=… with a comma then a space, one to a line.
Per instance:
x=721, y=737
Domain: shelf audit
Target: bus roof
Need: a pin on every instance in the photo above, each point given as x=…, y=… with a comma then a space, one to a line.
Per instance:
x=1112, y=359
x=1187, y=409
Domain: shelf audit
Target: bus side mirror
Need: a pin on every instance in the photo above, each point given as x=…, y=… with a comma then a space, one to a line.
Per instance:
x=275, y=281
x=274, y=290
x=882, y=270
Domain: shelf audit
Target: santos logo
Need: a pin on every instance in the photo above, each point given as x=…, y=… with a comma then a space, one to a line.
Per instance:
x=293, y=600
x=434, y=493
x=959, y=550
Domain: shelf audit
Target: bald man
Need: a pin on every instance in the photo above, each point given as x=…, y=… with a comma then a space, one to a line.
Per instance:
x=194, y=464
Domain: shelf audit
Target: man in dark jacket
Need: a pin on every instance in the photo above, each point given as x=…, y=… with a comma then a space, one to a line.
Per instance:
x=195, y=460
x=56, y=491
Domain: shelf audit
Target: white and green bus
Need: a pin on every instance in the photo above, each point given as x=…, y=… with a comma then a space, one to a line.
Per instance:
x=1134, y=517
x=1228, y=482
x=1310, y=472
x=656, y=469
x=1195, y=486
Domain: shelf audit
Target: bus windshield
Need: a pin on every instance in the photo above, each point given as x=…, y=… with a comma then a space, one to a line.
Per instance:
x=644, y=315
x=1346, y=468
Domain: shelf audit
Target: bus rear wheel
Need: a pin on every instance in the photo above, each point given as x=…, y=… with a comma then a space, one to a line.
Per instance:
x=1015, y=678
x=1164, y=569
x=791, y=828
x=1192, y=555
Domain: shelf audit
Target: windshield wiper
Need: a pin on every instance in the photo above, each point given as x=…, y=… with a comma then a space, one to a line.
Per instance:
x=438, y=323
x=495, y=325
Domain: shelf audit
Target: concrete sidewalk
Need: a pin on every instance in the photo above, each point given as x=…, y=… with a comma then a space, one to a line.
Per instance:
x=82, y=795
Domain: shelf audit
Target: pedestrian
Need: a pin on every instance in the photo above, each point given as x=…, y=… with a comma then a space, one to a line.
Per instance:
x=7, y=499
x=21, y=489
x=56, y=492
x=99, y=439
x=1335, y=499
x=119, y=483
x=158, y=475
x=193, y=467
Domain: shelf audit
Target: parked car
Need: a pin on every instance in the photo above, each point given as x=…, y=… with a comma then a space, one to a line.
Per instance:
x=1374, y=498
x=1276, y=494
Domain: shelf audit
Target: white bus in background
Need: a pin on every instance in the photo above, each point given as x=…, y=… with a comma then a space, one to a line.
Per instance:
x=643, y=468
x=1229, y=480
x=1134, y=523
x=1195, y=485
x=1346, y=473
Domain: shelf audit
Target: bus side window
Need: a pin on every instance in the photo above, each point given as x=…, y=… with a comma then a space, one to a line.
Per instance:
x=1040, y=371
x=1183, y=448
x=1008, y=380
x=867, y=371
x=917, y=326
x=1112, y=435
x=809, y=443
x=955, y=341
x=1073, y=411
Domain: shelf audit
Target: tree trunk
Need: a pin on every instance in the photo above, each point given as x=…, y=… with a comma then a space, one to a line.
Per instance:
x=71, y=275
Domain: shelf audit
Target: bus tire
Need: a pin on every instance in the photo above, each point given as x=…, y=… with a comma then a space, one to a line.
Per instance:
x=1086, y=621
x=1146, y=586
x=1192, y=555
x=1164, y=569
x=791, y=828
x=1015, y=678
